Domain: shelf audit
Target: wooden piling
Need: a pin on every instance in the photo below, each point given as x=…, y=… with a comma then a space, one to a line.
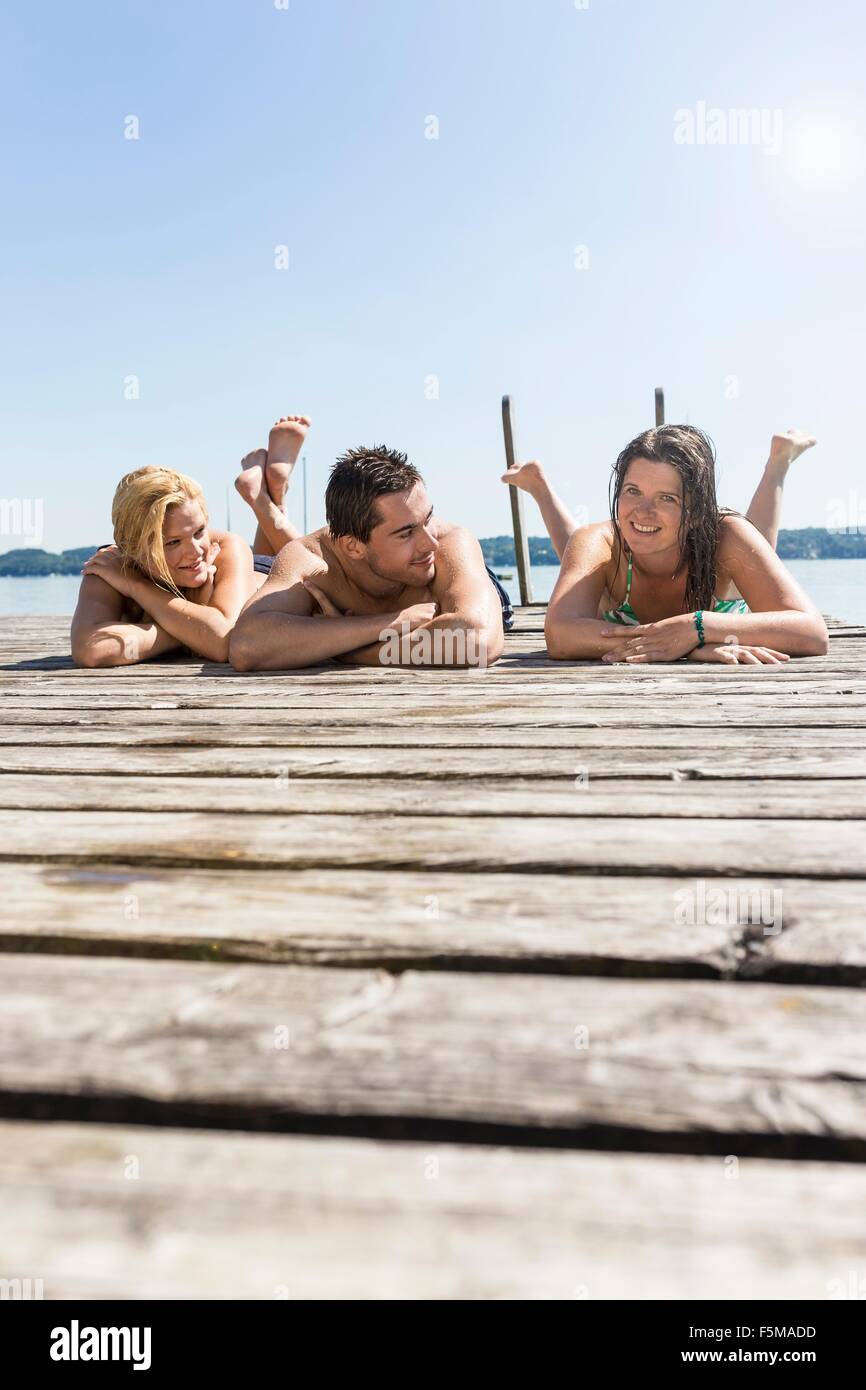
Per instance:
x=521, y=542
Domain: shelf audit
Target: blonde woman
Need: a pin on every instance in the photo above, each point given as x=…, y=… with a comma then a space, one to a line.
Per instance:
x=169, y=581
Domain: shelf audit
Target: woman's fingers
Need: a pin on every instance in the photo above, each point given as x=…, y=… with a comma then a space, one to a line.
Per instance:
x=640, y=651
x=731, y=654
x=328, y=607
x=752, y=655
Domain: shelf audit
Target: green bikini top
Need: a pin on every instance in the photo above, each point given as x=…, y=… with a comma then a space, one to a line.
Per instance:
x=626, y=615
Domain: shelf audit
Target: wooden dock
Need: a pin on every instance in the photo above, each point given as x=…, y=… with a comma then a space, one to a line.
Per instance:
x=541, y=982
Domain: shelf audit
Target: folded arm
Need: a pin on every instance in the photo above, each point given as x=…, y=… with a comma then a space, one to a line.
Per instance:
x=467, y=629
x=781, y=614
x=202, y=623
x=572, y=629
x=782, y=620
x=100, y=636
x=282, y=628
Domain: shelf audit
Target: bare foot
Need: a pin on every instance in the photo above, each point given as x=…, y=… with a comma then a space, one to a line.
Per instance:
x=251, y=479
x=284, y=445
x=784, y=448
x=529, y=476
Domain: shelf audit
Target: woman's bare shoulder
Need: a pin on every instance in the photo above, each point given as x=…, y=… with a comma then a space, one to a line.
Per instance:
x=230, y=541
x=594, y=541
x=737, y=535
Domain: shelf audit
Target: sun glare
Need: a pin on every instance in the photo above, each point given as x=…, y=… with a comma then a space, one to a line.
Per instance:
x=822, y=150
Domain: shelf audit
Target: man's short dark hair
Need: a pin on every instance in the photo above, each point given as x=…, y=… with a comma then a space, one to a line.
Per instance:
x=357, y=479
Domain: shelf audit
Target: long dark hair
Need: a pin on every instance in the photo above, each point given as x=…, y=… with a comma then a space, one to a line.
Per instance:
x=693, y=455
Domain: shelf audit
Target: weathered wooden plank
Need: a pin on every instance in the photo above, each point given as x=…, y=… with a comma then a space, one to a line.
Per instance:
x=556, y=923
x=592, y=756
x=809, y=848
x=526, y=701
x=260, y=1216
x=467, y=796
x=35, y=653
x=421, y=735
x=843, y=659
x=595, y=681
x=726, y=1068
x=489, y=714
x=517, y=664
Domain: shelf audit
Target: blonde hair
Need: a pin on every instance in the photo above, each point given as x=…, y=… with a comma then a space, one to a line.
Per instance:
x=138, y=513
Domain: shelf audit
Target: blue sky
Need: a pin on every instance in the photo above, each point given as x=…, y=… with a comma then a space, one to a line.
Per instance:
x=412, y=258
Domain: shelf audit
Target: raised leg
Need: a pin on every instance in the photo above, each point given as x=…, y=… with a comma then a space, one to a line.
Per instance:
x=531, y=477
x=284, y=445
x=273, y=529
x=765, y=508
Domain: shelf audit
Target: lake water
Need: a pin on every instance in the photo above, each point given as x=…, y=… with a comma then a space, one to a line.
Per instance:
x=838, y=587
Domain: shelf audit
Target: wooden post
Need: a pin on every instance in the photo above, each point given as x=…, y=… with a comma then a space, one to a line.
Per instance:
x=660, y=406
x=521, y=544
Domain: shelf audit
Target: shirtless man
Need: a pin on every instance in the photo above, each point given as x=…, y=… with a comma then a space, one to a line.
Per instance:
x=383, y=583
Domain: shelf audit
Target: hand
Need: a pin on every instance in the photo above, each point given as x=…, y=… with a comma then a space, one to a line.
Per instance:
x=204, y=593
x=210, y=558
x=107, y=564
x=666, y=640
x=416, y=615
x=734, y=653
x=326, y=604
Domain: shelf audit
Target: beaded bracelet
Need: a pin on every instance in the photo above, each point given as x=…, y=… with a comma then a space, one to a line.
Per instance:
x=699, y=624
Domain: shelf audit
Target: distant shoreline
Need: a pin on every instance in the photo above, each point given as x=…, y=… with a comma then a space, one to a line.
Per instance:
x=809, y=543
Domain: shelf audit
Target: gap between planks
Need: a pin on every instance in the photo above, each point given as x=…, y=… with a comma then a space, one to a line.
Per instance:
x=788, y=930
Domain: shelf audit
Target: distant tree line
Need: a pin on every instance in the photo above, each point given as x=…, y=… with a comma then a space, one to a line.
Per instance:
x=810, y=543
x=816, y=543
x=24, y=563
x=499, y=550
